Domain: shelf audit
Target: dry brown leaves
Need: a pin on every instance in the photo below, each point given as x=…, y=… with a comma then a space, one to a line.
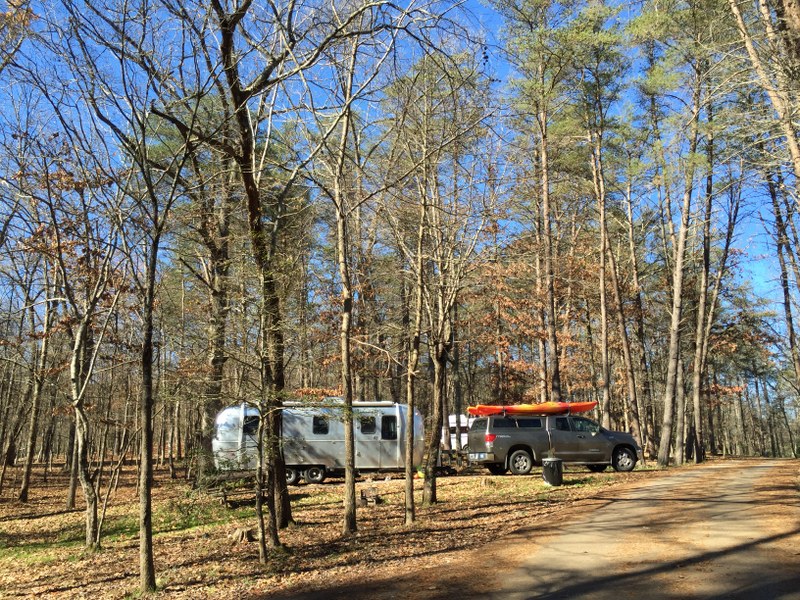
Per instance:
x=41, y=544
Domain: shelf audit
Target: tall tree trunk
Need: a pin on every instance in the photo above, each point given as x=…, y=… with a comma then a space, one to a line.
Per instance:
x=673, y=360
x=644, y=368
x=781, y=245
x=779, y=94
x=147, y=570
x=349, y=524
x=36, y=398
x=85, y=477
x=341, y=194
x=699, y=341
x=605, y=369
x=439, y=360
x=680, y=414
x=413, y=363
x=548, y=219
x=217, y=355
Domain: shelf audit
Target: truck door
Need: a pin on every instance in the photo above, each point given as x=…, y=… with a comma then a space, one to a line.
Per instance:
x=368, y=441
x=592, y=447
x=563, y=440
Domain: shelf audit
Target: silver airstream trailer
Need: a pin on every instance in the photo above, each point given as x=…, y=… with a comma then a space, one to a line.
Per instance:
x=313, y=438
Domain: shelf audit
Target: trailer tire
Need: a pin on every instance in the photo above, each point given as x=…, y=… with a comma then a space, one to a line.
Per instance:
x=292, y=476
x=314, y=474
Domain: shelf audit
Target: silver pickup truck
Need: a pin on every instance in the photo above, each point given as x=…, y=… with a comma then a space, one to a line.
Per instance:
x=503, y=443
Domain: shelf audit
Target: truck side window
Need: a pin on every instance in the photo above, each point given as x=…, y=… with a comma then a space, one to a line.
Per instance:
x=368, y=425
x=319, y=426
x=502, y=423
x=583, y=424
x=562, y=423
x=529, y=423
x=388, y=427
x=250, y=425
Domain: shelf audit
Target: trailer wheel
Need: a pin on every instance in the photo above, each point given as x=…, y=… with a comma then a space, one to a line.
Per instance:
x=314, y=474
x=292, y=476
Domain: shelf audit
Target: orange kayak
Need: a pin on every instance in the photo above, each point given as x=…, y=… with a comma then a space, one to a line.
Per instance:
x=545, y=408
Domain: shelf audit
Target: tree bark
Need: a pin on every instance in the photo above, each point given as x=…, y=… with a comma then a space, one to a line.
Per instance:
x=778, y=93
x=413, y=363
x=36, y=398
x=673, y=360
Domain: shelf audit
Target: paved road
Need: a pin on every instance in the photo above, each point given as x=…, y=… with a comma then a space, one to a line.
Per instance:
x=716, y=531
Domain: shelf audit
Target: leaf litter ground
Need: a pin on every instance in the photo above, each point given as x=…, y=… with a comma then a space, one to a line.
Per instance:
x=41, y=544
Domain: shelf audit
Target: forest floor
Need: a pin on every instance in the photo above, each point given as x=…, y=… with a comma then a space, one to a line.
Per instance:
x=476, y=522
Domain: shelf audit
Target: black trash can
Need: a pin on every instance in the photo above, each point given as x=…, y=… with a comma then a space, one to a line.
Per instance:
x=553, y=471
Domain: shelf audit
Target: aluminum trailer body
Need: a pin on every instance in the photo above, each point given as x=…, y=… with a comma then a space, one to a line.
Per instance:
x=312, y=438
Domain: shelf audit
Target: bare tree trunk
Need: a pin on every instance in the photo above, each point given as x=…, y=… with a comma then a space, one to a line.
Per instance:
x=779, y=95
x=147, y=571
x=36, y=399
x=73, y=470
x=85, y=477
x=548, y=219
x=781, y=245
x=349, y=524
x=439, y=360
x=680, y=413
x=788, y=429
x=673, y=363
x=605, y=369
x=413, y=363
x=644, y=369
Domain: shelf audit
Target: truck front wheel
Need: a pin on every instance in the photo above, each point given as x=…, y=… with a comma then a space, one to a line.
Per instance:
x=520, y=462
x=624, y=459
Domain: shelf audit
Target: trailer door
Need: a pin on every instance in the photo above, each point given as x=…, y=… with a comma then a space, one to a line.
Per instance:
x=368, y=441
x=390, y=443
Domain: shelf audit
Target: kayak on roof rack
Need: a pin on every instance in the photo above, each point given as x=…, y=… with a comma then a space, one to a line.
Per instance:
x=543, y=408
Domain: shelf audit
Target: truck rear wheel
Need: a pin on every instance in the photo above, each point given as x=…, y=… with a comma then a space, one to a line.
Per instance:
x=520, y=462
x=314, y=474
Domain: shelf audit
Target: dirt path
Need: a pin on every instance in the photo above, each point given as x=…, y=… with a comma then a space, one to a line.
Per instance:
x=726, y=529
x=717, y=531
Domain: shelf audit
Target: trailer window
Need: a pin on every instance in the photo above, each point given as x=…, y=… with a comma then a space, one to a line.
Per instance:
x=250, y=425
x=368, y=425
x=319, y=426
x=389, y=427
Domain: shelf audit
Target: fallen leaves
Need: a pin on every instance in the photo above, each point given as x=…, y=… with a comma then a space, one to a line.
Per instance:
x=41, y=551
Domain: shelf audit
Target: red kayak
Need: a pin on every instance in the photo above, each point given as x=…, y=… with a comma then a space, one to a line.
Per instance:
x=545, y=408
